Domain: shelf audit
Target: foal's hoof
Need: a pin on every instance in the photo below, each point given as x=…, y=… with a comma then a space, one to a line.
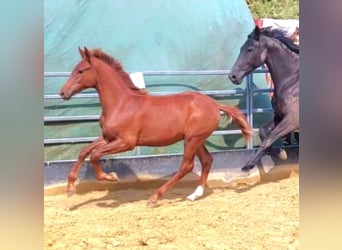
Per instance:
x=70, y=191
x=112, y=177
x=151, y=204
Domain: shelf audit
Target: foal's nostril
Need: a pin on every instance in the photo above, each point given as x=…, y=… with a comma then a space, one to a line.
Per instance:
x=62, y=95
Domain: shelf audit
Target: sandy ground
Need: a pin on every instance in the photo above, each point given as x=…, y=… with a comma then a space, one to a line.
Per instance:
x=262, y=216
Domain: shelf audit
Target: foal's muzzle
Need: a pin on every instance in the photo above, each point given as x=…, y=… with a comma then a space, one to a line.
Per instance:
x=64, y=96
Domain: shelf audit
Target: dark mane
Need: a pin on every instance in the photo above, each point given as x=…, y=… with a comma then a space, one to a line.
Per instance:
x=281, y=36
x=99, y=54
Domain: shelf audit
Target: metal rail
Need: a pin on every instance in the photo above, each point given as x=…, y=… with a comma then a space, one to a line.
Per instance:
x=208, y=92
x=163, y=73
x=248, y=92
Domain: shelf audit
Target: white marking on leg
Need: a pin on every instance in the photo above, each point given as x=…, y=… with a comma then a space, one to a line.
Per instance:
x=198, y=193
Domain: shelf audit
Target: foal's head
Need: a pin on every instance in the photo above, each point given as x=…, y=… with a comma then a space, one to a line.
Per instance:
x=83, y=76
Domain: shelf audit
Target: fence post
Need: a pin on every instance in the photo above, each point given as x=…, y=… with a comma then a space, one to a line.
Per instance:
x=249, y=104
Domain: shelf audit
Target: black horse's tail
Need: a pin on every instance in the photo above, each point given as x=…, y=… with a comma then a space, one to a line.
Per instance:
x=240, y=119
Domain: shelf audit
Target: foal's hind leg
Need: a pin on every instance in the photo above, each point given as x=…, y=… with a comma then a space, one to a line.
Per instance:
x=206, y=160
x=190, y=147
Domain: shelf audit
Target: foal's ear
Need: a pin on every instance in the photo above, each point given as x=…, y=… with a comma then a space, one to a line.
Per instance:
x=87, y=54
x=256, y=33
x=81, y=52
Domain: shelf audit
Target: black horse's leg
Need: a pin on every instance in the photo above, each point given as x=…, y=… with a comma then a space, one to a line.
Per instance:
x=280, y=151
x=264, y=131
x=283, y=128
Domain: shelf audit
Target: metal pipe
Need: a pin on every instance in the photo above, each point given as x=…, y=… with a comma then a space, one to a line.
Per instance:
x=71, y=118
x=248, y=91
x=205, y=92
x=156, y=73
x=163, y=72
x=80, y=118
x=249, y=104
x=72, y=140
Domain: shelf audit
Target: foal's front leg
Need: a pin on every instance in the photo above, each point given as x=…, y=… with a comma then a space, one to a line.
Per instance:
x=74, y=171
x=113, y=147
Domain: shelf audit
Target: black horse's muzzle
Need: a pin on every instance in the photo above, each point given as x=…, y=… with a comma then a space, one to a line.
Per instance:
x=234, y=78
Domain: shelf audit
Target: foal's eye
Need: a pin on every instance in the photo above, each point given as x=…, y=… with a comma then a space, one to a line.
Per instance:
x=80, y=71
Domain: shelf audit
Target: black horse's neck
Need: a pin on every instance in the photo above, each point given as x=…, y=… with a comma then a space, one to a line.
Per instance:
x=282, y=63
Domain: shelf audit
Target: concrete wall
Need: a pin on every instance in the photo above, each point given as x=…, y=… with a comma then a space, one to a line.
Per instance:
x=225, y=170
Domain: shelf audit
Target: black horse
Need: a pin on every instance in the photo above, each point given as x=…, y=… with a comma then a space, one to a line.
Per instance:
x=281, y=55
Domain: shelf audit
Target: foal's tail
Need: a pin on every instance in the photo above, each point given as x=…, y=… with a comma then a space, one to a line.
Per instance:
x=240, y=119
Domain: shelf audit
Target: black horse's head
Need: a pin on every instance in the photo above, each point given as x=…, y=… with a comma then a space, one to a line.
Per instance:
x=252, y=55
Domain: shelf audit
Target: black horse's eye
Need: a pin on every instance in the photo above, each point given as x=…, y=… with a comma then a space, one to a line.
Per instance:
x=249, y=49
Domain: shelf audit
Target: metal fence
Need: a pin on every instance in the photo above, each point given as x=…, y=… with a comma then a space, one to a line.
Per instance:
x=247, y=92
